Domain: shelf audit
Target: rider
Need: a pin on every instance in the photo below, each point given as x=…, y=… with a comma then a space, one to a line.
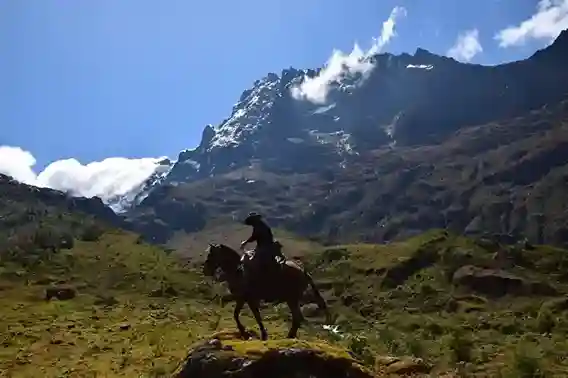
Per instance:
x=266, y=248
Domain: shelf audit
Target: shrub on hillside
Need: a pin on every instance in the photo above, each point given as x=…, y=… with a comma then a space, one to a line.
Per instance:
x=92, y=232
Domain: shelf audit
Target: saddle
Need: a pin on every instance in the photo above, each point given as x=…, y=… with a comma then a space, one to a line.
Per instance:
x=277, y=254
x=251, y=263
x=263, y=275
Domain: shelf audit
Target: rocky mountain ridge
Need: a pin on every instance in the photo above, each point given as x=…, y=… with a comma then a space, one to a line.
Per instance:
x=369, y=131
x=405, y=100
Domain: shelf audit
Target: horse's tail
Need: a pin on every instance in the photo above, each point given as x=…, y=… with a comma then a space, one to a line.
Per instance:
x=319, y=299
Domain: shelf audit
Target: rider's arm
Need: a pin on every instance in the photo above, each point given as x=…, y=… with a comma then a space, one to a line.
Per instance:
x=253, y=237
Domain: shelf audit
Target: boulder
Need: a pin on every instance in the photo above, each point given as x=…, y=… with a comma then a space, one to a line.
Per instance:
x=60, y=292
x=402, y=365
x=498, y=283
x=225, y=355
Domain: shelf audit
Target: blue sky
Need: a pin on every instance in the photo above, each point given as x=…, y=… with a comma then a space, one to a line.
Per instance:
x=139, y=78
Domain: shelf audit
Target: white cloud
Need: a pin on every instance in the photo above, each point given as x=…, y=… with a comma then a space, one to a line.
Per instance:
x=550, y=19
x=17, y=163
x=340, y=64
x=106, y=179
x=466, y=46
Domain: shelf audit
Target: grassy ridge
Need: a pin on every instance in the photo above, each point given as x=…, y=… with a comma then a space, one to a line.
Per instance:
x=121, y=322
x=404, y=305
x=139, y=310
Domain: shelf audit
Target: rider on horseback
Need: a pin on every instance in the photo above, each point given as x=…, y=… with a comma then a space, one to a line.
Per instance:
x=266, y=248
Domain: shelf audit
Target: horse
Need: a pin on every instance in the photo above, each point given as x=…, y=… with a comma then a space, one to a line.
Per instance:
x=289, y=287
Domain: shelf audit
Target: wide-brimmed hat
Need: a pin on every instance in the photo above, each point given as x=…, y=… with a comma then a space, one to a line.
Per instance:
x=252, y=217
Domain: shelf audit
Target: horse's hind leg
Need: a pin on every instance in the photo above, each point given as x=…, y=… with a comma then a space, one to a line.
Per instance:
x=254, y=307
x=226, y=299
x=238, y=308
x=297, y=318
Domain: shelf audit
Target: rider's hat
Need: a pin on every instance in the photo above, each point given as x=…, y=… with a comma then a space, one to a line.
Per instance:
x=252, y=217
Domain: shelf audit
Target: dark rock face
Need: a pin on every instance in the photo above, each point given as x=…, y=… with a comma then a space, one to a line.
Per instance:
x=160, y=216
x=497, y=283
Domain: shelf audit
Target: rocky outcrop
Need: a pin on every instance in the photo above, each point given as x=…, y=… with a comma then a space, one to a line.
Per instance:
x=224, y=355
x=497, y=282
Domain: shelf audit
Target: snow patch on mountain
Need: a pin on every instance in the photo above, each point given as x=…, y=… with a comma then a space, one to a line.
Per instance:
x=136, y=195
x=427, y=67
x=324, y=109
x=248, y=114
x=340, y=139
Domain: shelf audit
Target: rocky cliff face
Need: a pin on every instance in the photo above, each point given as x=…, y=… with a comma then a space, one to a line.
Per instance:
x=406, y=103
x=407, y=99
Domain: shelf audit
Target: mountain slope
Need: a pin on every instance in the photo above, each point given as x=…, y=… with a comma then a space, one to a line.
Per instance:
x=424, y=142
x=407, y=99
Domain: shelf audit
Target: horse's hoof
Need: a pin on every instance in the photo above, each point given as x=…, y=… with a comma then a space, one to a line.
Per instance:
x=264, y=337
x=244, y=334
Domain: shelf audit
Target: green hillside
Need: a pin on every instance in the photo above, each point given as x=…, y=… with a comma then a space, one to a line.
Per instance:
x=127, y=308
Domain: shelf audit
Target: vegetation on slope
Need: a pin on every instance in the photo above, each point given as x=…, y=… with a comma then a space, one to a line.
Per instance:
x=121, y=307
x=471, y=305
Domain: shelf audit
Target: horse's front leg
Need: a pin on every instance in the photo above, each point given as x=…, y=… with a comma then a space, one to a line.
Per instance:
x=238, y=308
x=254, y=307
x=297, y=318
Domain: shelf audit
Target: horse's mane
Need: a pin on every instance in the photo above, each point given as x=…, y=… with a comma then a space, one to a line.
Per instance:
x=226, y=249
x=224, y=246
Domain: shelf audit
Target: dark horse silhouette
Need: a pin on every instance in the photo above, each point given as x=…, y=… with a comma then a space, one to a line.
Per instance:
x=288, y=285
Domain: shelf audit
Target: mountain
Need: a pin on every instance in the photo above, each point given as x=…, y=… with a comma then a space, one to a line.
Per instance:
x=20, y=202
x=422, y=141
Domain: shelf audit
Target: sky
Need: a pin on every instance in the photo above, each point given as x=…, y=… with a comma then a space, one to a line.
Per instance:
x=94, y=93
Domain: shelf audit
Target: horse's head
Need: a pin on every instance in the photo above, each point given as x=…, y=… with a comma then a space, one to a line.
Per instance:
x=221, y=257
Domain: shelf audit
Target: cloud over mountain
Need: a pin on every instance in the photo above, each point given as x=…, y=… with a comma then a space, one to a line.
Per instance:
x=466, y=47
x=340, y=64
x=107, y=179
x=546, y=24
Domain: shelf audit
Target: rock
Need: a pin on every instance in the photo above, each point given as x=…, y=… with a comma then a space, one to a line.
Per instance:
x=106, y=301
x=225, y=355
x=408, y=365
x=168, y=291
x=556, y=305
x=508, y=257
x=310, y=310
x=61, y=293
x=424, y=257
x=497, y=283
x=488, y=244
